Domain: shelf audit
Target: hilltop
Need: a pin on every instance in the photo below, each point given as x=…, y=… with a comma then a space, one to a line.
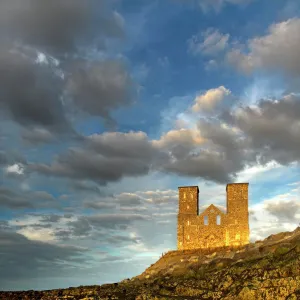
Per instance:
x=268, y=269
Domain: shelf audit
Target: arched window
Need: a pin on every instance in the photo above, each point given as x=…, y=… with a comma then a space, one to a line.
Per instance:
x=205, y=220
x=218, y=220
x=237, y=237
x=188, y=222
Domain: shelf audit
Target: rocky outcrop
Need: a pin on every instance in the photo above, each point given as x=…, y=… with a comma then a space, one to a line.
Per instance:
x=268, y=269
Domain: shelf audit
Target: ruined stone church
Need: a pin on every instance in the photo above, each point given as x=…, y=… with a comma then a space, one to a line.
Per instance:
x=213, y=227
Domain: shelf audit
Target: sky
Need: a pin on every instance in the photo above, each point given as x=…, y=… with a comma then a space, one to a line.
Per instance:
x=107, y=107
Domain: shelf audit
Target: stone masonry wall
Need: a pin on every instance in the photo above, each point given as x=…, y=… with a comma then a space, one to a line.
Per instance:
x=222, y=229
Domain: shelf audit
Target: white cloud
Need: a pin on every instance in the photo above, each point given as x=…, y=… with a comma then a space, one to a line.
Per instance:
x=184, y=136
x=32, y=232
x=210, y=42
x=16, y=169
x=41, y=234
x=277, y=50
x=210, y=99
x=279, y=213
x=258, y=171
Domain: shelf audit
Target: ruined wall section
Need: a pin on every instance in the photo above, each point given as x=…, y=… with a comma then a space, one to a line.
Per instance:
x=187, y=213
x=203, y=234
x=231, y=230
x=237, y=213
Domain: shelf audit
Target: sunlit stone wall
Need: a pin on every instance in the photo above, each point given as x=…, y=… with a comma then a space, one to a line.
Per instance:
x=213, y=228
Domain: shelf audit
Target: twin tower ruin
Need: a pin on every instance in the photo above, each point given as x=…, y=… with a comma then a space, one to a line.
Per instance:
x=213, y=228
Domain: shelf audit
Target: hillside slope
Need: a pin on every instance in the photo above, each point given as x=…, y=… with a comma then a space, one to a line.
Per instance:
x=268, y=269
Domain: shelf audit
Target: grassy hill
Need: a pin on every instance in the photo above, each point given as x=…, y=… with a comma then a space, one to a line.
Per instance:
x=268, y=269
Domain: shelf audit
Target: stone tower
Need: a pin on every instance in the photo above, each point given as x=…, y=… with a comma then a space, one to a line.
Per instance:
x=213, y=227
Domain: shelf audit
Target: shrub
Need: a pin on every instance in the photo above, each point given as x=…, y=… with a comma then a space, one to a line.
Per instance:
x=280, y=251
x=200, y=274
x=189, y=274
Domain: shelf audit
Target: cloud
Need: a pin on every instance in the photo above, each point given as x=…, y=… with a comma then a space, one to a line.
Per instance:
x=210, y=99
x=272, y=127
x=115, y=221
x=284, y=208
x=210, y=42
x=57, y=26
x=99, y=87
x=105, y=157
x=80, y=227
x=98, y=205
x=37, y=136
x=133, y=209
x=179, y=142
x=38, y=65
x=15, y=200
x=207, y=165
x=277, y=50
x=30, y=94
x=221, y=154
x=85, y=186
x=23, y=258
x=15, y=169
x=84, y=225
x=160, y=196
x=211, y=149
x=129, y=199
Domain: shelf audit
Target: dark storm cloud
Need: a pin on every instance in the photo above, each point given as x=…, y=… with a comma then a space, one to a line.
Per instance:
x=80, y=164
x=17, y=200
x=63, y=234
x=270, y=131
x=126, y=145
x=272, y=128
x=101, y=226
x=12, y=157
x=80, y=227
x=106, y=157
x=37, y=136
x=251, y=135
x=4, y=225
x=30, y=93
x=3, y=159
x=218, y=160
x=10, y=199
x=56, y=25
x=85, y=224
x=22, y=258
x=51, y=218
x=99, y=87
x=32, y=81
